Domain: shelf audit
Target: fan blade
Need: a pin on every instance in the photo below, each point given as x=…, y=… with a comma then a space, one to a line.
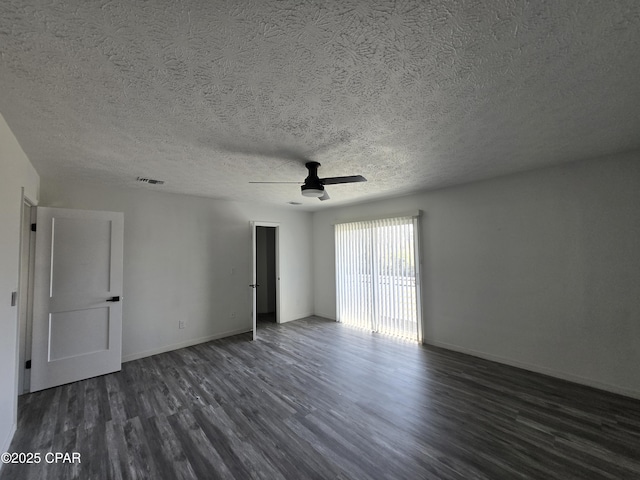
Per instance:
x=298, y=183
x=336, y=180
x=325, y=196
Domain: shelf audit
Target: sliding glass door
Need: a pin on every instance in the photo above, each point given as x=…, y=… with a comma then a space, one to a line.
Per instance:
x=377, y=285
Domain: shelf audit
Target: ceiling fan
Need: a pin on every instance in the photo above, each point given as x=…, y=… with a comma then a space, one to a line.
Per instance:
x=313, y=186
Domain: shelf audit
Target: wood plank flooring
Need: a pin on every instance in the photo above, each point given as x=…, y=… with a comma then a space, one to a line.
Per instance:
x=313, y=399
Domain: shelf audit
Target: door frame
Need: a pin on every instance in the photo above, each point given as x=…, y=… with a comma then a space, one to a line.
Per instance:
x=25, y=293
x=254, y=224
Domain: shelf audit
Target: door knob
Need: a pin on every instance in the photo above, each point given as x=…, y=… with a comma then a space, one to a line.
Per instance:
x=254, y=285
x=113, y=299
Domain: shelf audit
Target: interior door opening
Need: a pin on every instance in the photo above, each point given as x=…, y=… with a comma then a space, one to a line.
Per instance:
x=266, y=275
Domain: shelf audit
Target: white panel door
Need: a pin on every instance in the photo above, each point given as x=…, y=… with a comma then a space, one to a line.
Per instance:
x=77, y=311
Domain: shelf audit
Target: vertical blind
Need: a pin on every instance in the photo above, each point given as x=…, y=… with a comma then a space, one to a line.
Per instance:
x=377, y=276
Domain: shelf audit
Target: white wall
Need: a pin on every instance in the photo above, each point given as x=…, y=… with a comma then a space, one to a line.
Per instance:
x=180, y=252
x=16, y=172
x=539, y=270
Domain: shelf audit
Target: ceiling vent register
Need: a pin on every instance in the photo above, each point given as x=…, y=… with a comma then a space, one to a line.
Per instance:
x=150, y=181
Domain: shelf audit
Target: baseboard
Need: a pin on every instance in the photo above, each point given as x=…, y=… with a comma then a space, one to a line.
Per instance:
x=187, y=343
x=326, y=317
x=538, y=369
x=296, y=317
x=7, y=441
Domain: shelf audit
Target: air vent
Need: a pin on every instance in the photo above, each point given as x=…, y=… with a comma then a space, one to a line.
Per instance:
x=150, y=181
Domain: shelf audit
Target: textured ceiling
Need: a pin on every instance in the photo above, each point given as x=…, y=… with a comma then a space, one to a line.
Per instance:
x=208, y=95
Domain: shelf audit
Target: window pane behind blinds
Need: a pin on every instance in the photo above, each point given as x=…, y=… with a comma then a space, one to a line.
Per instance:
x=376, y=276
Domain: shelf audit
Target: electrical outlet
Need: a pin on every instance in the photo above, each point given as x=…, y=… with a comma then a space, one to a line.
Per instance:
x=181, y=324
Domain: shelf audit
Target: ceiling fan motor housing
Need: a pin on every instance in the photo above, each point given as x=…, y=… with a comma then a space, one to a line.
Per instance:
x=312, y=186
x=312, y=178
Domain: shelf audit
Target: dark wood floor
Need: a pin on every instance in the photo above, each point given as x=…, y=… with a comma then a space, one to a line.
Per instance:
x=315, y=399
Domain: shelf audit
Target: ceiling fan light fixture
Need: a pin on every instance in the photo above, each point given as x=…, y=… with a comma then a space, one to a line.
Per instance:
x=312, y=192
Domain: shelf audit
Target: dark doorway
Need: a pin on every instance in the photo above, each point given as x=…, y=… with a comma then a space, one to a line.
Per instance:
x=266, y=275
